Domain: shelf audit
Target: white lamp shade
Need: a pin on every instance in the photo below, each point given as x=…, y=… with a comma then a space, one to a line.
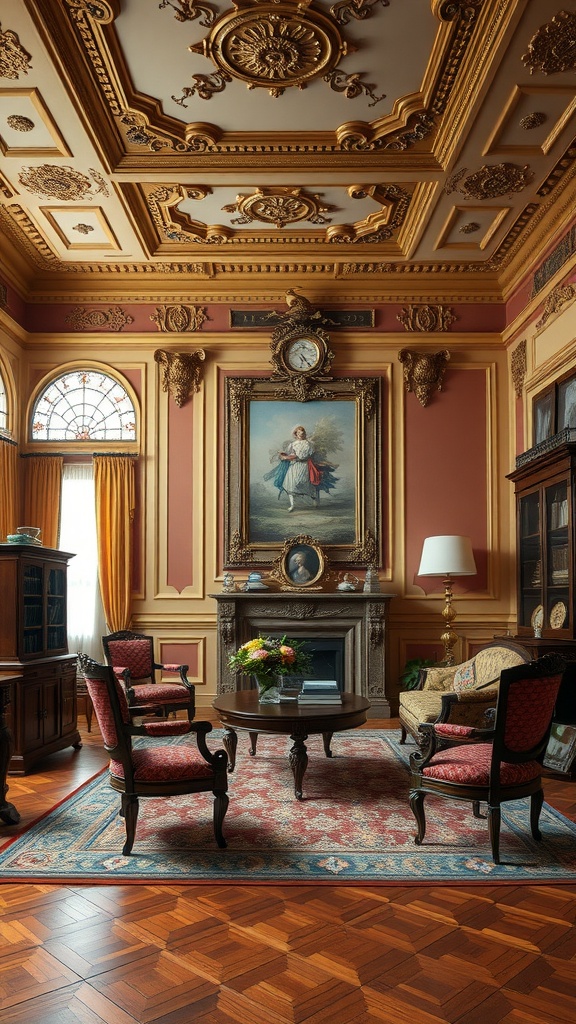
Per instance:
x=447, y=556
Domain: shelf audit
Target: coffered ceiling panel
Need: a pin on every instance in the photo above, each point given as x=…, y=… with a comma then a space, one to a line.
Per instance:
x=398, y=138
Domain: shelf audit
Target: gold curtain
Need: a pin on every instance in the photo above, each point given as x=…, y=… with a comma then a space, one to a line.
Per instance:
x=114, y=487
x=42, y=493
x=8, y=488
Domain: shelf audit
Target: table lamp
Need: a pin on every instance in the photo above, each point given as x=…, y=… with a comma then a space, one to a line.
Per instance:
x=447, y=556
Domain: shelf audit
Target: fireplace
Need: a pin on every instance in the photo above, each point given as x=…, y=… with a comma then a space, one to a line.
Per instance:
x=348, y=631
x=327, y=657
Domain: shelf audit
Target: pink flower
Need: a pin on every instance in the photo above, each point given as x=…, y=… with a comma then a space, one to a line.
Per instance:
x=258, y=655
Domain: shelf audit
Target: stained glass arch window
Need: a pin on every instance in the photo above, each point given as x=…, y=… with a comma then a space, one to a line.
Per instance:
x=83, y=404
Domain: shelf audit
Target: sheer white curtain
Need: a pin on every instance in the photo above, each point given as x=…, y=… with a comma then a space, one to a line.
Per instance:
x=86, y=622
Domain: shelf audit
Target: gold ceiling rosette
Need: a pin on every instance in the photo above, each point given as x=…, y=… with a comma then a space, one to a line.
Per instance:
x=274, y=45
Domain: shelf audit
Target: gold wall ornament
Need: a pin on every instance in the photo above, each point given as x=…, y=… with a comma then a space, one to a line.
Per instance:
x=557, y=298
x=178, y=319
x=113, y=319
x=14, y=60
x=518, y=367
x=426, y=318
x=351, y=86
x=490, y=182
x=553, y=48
x=181, y=373
x=423, y=372
x=279, y=205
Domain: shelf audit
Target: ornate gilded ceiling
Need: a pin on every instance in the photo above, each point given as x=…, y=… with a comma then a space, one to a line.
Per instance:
x=396, y=139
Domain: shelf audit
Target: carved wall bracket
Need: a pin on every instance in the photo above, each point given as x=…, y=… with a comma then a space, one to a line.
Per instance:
x=423, y=372
x=181, y=373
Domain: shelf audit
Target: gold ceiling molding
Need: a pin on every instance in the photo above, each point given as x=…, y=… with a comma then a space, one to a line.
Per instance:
x=551, y=50
x=14, y=60
x=431, y=319
x=518, y=367
x=113, y=319
x=423, y=372
x=311, y=47
x=179, y=319
x=181, y=373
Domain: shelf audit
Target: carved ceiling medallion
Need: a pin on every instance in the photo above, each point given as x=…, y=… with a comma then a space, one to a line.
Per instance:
x=490, y=182
x=279, y=206
x=553, y=48
x=274, y=46
x=55, y=182
x=13, y=58
x=19, y=123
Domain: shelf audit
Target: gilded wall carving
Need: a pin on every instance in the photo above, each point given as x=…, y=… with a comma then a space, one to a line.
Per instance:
x=181, y=373
x=426, y=318
x=518, y=367
x=423, y=372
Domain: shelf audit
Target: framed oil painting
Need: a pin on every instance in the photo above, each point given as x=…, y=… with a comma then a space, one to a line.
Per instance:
x=308, y=467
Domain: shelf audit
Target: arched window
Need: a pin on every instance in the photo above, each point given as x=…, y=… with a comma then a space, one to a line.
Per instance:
x=83, y=405
x=3, y=405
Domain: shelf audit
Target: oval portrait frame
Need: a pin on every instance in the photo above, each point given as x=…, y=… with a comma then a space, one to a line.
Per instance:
x=301, y=565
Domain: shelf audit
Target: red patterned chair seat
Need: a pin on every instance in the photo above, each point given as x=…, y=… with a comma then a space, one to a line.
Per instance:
x=164, y=764
x=132, y=657
x=473, y=769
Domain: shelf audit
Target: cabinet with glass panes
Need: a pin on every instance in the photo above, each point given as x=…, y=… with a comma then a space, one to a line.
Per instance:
x=41, y=712
x=544, y=489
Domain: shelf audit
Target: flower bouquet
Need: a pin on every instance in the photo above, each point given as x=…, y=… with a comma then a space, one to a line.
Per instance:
x=267, y=658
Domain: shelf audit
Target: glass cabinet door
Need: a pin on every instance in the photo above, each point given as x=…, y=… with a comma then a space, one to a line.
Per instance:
x=556, y=610
x=530, y=609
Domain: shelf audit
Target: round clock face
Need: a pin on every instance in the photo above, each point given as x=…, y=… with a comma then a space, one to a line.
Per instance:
x=302, y=354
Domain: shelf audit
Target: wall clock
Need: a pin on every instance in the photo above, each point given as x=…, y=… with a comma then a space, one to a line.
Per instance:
x=301, y=354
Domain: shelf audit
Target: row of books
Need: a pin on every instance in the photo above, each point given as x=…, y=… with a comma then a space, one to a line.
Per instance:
x=315, y=691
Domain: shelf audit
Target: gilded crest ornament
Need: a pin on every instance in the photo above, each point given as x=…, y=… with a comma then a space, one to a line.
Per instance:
x=179, y=319
x=490, y=182
x=553, y=48
x=113, y=319
x=181, y=373
x=423, y=372
x=426, y=318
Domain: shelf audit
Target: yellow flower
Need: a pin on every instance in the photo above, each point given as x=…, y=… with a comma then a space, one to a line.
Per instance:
x=252, y=645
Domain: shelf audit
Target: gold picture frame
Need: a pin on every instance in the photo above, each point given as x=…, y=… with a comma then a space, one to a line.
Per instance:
x=342, y=416
x=301, y=565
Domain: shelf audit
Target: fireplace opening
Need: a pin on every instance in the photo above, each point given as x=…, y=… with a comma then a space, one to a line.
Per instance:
x=327, y=656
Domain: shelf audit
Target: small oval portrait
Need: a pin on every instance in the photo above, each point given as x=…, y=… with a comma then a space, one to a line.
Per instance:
x=303, y=564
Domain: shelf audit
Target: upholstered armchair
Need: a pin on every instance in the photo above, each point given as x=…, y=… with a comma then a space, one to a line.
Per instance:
x=154, y=769
x=131, y=655
x=460, y=694
x=493, y=765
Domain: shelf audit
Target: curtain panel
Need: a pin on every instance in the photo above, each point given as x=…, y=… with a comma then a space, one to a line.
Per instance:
x=42, y=492
x=115, y=490
x=9, y=502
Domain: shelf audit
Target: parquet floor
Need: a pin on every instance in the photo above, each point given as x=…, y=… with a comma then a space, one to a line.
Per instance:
x=279, y=954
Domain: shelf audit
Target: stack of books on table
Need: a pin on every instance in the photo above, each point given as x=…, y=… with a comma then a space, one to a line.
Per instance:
x=320, y=691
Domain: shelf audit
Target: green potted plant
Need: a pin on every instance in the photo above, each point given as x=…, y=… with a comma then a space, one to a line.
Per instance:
x=411, y=673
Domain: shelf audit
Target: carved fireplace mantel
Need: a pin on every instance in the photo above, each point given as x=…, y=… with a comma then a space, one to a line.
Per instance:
x=358, y=618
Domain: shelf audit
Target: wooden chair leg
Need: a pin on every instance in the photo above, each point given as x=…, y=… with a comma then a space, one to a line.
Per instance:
x=130, y=806
x=536, y=801
x=494, y=817
x=221, y=801
x=402, y=733
x=417, y=806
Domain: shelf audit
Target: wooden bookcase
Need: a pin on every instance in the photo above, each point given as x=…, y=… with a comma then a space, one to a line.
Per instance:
x=33, y=644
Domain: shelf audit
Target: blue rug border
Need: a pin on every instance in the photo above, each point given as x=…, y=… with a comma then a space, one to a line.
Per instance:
x=372, y=868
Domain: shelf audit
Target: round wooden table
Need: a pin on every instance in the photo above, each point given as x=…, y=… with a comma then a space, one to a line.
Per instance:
x=241, y=710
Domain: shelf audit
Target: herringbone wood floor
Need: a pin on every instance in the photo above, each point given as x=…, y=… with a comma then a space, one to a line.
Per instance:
x=279, y=954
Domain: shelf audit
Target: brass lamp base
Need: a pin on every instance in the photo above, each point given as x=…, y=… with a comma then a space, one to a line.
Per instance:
x=449, y=638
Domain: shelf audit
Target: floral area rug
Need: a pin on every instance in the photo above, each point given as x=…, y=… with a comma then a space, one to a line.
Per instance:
x=354, y=825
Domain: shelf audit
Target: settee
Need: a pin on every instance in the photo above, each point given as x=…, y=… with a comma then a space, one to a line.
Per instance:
x=460, y=694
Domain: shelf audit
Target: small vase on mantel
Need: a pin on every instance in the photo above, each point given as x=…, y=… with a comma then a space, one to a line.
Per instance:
x=268, y=694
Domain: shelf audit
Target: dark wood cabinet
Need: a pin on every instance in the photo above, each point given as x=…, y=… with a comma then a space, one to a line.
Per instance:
x=545, y=490
x=41, y=713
